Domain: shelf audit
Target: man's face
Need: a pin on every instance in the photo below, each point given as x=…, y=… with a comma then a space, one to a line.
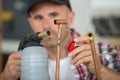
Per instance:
x=43, y=17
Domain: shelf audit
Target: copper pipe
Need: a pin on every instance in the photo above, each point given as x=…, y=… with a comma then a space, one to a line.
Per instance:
x=95, y=57
x=109, y=53
x=60, y=23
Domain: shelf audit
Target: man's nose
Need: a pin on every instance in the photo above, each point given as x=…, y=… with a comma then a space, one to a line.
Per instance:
x=46, y=24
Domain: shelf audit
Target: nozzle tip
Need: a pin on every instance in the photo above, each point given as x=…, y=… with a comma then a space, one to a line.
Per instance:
x=48, y=32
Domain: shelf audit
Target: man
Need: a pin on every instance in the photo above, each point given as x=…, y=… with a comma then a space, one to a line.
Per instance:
x=42, y=14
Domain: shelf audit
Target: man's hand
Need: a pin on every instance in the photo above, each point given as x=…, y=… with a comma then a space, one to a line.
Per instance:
x=12, y=69
x=83, y=54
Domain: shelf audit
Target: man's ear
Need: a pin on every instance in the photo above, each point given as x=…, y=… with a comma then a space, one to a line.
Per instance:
x=71, y=18
x=30, y=22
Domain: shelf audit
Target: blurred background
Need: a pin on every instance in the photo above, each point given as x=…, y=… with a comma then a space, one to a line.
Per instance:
x=99, y=16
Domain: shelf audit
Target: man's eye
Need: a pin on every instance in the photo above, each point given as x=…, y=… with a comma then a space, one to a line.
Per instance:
x=38, y=17
x=54, y=15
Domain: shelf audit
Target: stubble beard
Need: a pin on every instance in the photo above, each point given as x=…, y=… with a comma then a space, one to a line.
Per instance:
x=50, y=43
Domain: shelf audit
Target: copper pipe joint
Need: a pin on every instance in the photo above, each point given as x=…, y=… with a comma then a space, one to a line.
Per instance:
x=60, y=21
x=90, y=36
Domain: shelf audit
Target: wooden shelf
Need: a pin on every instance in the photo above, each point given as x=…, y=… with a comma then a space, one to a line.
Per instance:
x=0, y=35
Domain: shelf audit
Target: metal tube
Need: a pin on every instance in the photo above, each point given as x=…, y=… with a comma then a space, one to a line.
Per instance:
x=60, y=23
x=95, y=57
